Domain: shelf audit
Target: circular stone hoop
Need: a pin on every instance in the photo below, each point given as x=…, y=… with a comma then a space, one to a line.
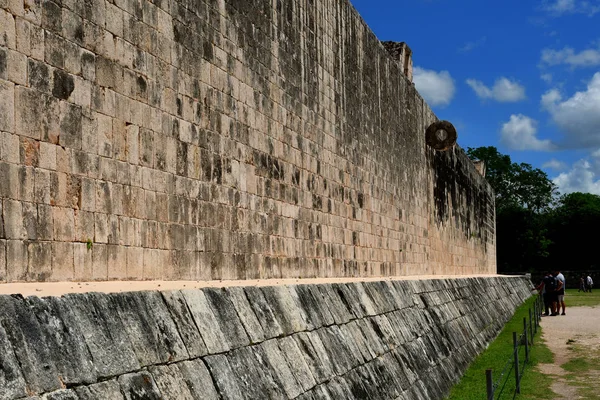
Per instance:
x=441, y=135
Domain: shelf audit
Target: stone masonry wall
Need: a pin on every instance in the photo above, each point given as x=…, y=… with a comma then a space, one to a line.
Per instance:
x=221, y=139
x=371, y=340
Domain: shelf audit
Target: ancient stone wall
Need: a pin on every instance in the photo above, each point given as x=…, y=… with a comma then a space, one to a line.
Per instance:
x=375, y=340
x=221, y=139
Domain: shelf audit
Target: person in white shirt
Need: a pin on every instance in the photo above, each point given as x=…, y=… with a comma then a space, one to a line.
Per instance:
x=589, y=284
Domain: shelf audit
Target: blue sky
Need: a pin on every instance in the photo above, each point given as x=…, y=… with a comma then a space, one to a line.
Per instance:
x=523, y=76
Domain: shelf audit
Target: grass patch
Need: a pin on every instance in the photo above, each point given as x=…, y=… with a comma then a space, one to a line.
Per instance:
x=534, y=384
x=573, y=298
x=578, y=364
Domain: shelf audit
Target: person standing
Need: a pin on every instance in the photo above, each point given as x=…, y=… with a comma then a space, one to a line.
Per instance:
x=589, y=284
x=581, y=285
x=562, y=284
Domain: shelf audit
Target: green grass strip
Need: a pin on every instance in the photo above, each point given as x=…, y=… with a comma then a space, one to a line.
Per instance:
x=573, y=298
x=534, y=385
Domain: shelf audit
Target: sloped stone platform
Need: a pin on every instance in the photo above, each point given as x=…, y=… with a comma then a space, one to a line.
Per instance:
x=378, y=340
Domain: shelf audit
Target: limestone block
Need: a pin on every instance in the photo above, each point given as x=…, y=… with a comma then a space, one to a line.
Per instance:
x=3, y=272
x=8, y=34
x=7, y=105
x=64, y=224
x=184, y=320
x=281, y=368
x=40, y=260
x=135, y=263
x=16, y=67
x=9, y=148
x=104, y=334
x=206, y=321
x=117, y=262
x=55, y=48
x=70, y=123
x=151, y=331
x=29, y=151
x=342, y=350
x=98, y=391
x=12, y=383
x=257, y=376
x=104, y=134
x=52, y=17
x=223, y=376
x=226, y=315
x=26, y=183
x=198, y=379
x=315, y=356
x=83, y=261
x=139, y=385
x=247, y=316
x=63, y=268
x=287, y=311
x=37, y=115
x=169, y=381
x=45, y=222
x=30, y=220
x=66, y=344
x=99, y=262
x=14, y=227
x=72, y=26
x=29, y=345
x=264, y=313
x=88, y=195
x=23, y=36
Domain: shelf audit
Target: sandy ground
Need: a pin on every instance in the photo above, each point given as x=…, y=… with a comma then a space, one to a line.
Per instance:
x=580, y=327
x=60, y=288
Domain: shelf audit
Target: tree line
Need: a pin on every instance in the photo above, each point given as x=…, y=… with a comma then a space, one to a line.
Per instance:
x=537, y=228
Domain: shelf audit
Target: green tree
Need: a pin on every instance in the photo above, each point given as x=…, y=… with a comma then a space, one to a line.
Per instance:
x=572, y=226
x=524, y=196
x=515, y=185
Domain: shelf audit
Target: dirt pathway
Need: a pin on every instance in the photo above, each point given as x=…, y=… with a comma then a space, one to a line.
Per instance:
x=575, y=341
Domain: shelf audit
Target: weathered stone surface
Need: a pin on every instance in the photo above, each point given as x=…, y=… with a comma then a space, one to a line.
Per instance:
x=63, y=394
x=169, y=381
x=100, y=391
x=104, y=334
x=65, y=341
x=149, y=326
x=185, y=323
x=228, y=319
x=296, y=362
x=12, y=383
x=247, y=316
x=263, y=312
x=206, y=321
x=139, y=386
x=286, y=311
x=30, y=348
x=279, y=366
x=224, y=377
x=198, y=379
x=398, y=353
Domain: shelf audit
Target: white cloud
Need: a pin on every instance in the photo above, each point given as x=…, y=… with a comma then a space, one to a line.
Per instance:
x=568, y=56
x=472, y=45
x=562, y=7
x=504, y=90
x=519, y=133
x=437, y=88
x=555, y=165
x=546, y=78
x=578, y=117
x=581, y=178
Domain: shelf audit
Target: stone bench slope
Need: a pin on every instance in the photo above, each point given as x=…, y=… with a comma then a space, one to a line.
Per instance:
x=377, y=340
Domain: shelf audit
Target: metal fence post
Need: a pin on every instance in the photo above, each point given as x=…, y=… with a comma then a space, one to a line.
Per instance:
x=490, y=384
x=526, y=337
x=516, y=355
x=532, y=333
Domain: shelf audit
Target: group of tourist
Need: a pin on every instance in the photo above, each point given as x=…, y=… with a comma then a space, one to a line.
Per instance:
x=552, y=288
x=586, y=284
